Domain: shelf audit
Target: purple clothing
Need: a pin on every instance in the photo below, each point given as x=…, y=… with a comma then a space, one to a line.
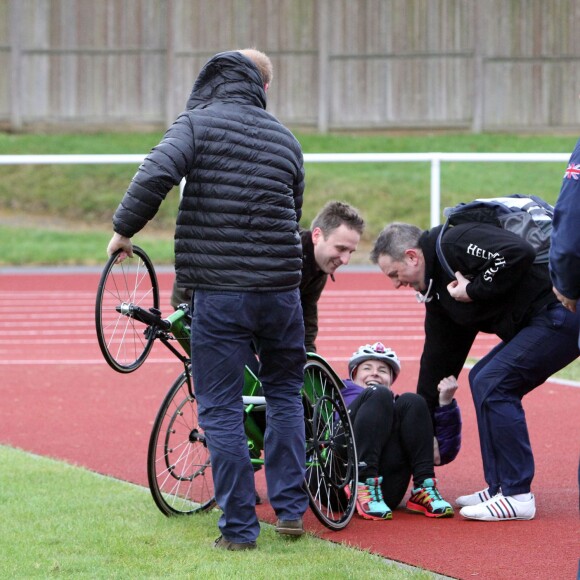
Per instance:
x=350, y=391
x=447, y=422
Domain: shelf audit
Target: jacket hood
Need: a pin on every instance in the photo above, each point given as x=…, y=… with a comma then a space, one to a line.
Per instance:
x=427, y=243
x=228, y=77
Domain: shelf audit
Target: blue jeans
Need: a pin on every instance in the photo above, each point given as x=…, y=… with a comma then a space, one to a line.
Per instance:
x=501, y=379
x=224, y=324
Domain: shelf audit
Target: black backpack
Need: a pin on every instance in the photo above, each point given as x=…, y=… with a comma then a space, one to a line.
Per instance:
x=528, y=216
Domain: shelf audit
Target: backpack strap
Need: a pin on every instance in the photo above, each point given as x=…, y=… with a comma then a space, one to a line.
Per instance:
x=549, y=209
x=444, y=263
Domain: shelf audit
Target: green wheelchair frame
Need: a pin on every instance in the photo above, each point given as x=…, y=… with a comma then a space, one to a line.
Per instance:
x=128, y=323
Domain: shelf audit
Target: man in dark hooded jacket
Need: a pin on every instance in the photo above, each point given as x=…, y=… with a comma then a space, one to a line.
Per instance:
x=237, y=246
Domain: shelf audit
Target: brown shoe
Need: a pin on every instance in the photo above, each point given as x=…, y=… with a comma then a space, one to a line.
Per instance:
x=290, y=527
x=223, y=544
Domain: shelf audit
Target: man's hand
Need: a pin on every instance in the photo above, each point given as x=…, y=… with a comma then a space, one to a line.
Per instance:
x=119, y=242
x=457, y=288
x=567, y=303
x=447, y=388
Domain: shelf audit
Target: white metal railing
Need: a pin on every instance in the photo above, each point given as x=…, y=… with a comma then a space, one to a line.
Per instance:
x=435, y=159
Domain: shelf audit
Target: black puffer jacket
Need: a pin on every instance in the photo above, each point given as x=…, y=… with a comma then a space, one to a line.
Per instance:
x=237, y=226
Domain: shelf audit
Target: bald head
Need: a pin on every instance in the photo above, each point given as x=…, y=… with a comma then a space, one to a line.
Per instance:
x=262, y=61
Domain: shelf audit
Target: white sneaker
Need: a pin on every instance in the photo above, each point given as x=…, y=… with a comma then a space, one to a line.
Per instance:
x=501, y=508
x=474, y=498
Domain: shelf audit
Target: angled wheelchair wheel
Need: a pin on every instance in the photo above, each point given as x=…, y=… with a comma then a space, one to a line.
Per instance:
x=124, y=341
x=331, y=462
x=178, y=465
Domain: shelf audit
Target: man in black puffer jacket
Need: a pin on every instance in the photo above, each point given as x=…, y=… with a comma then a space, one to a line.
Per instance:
x=238, y=247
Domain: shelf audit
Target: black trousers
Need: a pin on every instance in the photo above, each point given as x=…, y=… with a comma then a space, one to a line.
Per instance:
x=394, y=438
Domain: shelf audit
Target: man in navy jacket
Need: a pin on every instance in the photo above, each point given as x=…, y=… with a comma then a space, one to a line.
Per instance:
x=565, y=248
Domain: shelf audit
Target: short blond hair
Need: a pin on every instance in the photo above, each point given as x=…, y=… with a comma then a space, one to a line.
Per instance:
x=262, y=61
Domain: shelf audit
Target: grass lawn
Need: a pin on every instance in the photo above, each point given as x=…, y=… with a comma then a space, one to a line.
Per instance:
x=60, y=521
x=79, y=200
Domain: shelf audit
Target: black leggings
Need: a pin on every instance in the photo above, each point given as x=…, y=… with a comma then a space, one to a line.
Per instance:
x=394, y=438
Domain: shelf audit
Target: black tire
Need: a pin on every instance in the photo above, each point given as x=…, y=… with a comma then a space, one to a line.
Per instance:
x=178, y=464
x=124, y=342
x=331, y=461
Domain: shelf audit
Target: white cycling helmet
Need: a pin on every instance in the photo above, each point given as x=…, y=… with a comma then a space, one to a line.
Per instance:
x=377, y=351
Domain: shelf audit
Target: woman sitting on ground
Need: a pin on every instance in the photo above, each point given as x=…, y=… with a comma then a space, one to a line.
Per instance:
x=394, y=436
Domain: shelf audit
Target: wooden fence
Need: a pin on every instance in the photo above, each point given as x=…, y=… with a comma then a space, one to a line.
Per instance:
x=481, y=65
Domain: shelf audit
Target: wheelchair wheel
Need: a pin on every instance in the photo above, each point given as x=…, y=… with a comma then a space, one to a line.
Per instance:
x=331, y=462
x=124, y=342
x=178, y=464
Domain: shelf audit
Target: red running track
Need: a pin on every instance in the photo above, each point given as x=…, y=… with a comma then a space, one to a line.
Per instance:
x=60, y=399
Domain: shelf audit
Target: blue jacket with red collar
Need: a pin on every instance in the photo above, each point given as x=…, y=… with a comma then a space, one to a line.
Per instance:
x=565, y=248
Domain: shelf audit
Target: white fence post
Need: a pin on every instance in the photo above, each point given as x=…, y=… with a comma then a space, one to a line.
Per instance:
x=435, y=190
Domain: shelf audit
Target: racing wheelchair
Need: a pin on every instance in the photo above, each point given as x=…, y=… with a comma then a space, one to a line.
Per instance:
x=129, y=322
